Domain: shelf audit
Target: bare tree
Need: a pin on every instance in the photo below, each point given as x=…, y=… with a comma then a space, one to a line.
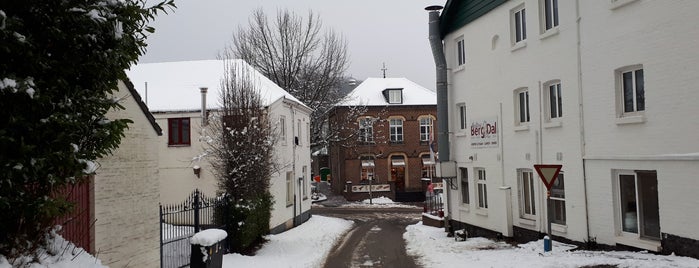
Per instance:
x=241, y=145
x=300, y=56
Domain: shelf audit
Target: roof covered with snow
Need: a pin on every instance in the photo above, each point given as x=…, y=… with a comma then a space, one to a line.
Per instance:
x=174, y=86
x=371, y=93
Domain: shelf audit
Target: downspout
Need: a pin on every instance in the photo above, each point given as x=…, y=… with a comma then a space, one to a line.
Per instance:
x=440, y=62
x=203, y=91
x=293, y=157
x=581, y=115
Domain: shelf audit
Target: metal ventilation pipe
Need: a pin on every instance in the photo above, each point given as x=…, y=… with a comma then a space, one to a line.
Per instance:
x=442, y=98
x=203, y=91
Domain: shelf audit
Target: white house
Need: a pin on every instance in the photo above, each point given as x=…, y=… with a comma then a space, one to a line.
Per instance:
x=173, y=91
x=574, y=83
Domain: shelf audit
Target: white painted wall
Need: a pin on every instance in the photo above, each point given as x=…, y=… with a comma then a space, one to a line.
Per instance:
x=662, y=37
x=126, y=194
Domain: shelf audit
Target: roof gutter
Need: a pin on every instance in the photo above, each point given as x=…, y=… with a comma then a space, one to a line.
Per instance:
x=442, y=96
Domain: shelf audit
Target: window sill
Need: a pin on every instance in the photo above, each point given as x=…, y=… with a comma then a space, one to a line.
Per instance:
x=527, y=222
x=550, y=32
x=633, y=119
x=553, y=124
x=461, y=133
x=638, y=242
x=619, y=3
x=519, y=45
x=179, y=145
x=559, y=229
x=464, y=208
x=289, y=205
x=482, y=212
x=522, y=128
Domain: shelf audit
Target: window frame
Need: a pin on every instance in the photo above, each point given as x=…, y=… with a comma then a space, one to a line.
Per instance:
x=520, y=118
x=465, y=194
x=395, y=96
x=396, y=130
x=304, y=169
x=427, y=170
x=282, y=129
x=550, y=19
x=181, y=135
x=549, y=102
x=527, y=193
x=555, y=197
x=518, y=25
x=289, y=188
x=428, y=128
x=366, y=129
x=463, y=122
x=368, y=172
x=482, y=186
x=639, y=201
x=621, y=91
x=460, y=51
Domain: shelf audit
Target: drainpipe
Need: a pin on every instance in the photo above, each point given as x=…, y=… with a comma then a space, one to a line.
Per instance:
x=440, y=62
x=581, y=111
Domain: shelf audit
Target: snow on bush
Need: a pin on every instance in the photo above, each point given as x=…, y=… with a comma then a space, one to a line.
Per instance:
x=59, y=253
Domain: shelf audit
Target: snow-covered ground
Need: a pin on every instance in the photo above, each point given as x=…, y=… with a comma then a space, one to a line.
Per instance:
x=59, y=254
x=304, y=246
x=434, y=249
x=384, y=202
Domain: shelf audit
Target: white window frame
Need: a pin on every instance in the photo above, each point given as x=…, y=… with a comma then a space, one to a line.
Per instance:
x=463, y=123
x=304, y=169
x=527, y=194
x=549, y=18
x=639, y=202
x=620, y=86
x=460, y=51
x=395, y=96
x=464, y=186
x=556, y=198
x=518, y=25
x=556, y=103
x=282, y=129
x=396, y=130
x=426, y=127
x=482, y=188
x=367, y=124
x=369, y=171
x=299, y=132
x=289, y=188
x=522, y=114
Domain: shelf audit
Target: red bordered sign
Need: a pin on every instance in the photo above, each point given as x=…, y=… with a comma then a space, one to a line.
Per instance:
x=548, y=174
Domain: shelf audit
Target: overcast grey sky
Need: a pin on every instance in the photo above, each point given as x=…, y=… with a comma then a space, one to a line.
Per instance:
x=390, y=31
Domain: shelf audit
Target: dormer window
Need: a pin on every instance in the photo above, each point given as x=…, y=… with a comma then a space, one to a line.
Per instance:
x=393, y=95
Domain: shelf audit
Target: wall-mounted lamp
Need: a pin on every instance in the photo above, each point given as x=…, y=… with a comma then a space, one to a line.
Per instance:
x=197, y=170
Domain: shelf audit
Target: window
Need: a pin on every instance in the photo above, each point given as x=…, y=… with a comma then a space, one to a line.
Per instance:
x=462, y=116
x=396, y=130
x=179, y=131
x=282, y=129
x=395, y=96
x=460, y=52
x=549, y=11
x=527, y=198
x=482, y=188
x=304, y=182
x=519, y=25
x=464, y=185
x=289, y=188
x=555, y=102
x=632, y=90
x=368, y=166
x=522, y=106
x=398, y=169
x=428, y=170
x=558, y=200
x=366, y=130
x=638, y=204
x=299, y=130
x=308, y=134
x=425, y=128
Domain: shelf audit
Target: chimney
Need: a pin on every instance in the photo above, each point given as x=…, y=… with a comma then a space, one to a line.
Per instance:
x=203, y=91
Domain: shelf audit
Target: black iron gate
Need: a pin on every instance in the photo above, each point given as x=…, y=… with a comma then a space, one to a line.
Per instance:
x=179, y=222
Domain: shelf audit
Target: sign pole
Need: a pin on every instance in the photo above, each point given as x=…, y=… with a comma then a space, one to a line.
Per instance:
x=548, y=175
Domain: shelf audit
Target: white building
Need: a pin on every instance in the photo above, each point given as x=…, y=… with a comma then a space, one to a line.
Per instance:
x=173, y=92
x=551, y=76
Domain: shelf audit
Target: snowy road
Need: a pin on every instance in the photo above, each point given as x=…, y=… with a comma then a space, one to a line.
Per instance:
x=376, y=239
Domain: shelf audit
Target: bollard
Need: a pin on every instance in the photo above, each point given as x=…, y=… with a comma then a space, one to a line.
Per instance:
x=547, y=243
x=207, y=249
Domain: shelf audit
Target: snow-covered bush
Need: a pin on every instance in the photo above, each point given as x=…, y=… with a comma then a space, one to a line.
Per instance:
x=61, y=61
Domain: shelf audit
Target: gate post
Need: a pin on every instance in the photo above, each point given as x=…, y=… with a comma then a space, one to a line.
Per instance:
x=196, y=204
x=160, y=221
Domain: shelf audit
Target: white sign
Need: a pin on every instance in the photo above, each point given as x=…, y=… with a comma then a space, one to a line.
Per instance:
x=484, y=133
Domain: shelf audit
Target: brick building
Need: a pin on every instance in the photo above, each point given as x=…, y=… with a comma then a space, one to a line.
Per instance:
x=385, y=127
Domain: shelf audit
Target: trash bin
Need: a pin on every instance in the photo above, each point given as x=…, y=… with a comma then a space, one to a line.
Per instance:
x=324, y=172
x=207, y=249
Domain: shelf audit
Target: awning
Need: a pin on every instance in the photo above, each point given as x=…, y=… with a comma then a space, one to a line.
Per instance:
x=397, y=162
x=427, y=162
x=368, y=163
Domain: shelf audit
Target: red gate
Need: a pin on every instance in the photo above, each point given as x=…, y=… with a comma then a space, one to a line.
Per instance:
x=77, y=225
